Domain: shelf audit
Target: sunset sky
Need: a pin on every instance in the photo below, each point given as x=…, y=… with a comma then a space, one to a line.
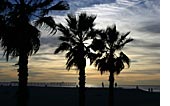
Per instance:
x=140, y=17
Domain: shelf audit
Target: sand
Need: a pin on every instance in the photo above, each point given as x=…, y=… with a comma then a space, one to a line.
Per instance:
x=58, y=96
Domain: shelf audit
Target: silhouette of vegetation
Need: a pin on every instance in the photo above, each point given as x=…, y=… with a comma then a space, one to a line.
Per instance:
x=109, y=44
x=75, y=36
x=19, y=37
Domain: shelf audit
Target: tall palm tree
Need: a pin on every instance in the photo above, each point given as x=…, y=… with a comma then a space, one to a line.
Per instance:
x=109, y=44
x=75, y=36
x=18, y=33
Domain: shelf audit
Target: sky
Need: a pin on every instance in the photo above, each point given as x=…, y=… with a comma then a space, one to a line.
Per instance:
x=140, y=17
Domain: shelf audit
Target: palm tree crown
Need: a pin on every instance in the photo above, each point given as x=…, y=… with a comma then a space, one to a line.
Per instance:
x=111, y=42
x=17, y=33
x=74, y=39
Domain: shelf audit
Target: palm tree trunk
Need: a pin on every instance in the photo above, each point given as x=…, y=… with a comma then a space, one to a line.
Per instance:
x=82, y=82
x=82, y=77
x=23, y=79
x=111, y=90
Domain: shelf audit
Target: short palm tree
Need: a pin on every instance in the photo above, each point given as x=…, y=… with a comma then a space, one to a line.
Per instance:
x=18, y=34
x=75, y=36
x=109, y=44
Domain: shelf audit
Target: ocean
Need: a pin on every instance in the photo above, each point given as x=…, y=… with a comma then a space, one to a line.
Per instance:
x=156, y=88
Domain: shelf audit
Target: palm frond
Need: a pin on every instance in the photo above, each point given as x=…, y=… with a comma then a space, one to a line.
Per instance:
x=32, y=37
x=26, y=39
x=91, y=19
x=69, y=53
x=72, y=21
x=39, y=4
x=36, y=45
x=93, y=57
x=122, y=44
x=118, y=65
x=70, y=64
x=63, y=46
x=123, y=37
x=103, y=35
x=67, y=35
x=5, y=4
x=65, y=31
x=72, y=59
x=125, y=59
x=61, y=5
x=128, y=40
x=94, y=33
x=63, y=38
x=98, y=45
x=6, y=53
x=84, y=18
x=47, y=22
x=112, y=34
x=102, y=65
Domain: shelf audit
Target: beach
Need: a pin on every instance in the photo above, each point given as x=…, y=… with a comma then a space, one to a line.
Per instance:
x=67, y=96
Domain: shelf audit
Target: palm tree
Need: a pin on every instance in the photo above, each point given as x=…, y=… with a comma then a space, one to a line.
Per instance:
x=18, y=33
x=75, y=36
x=109, y=44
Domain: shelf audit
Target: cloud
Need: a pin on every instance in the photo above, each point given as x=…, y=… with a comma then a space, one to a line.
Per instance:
x=141, y=17
x=77, y=4
x=51, y=41
x=144, y=72
x=35, y=74
x=152, y=27
x=149, y=82
x=144, y=43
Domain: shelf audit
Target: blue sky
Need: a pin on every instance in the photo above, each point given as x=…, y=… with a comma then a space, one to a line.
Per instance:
x=141, y=17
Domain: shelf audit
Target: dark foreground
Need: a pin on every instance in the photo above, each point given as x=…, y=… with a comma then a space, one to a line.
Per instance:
x=46, y=96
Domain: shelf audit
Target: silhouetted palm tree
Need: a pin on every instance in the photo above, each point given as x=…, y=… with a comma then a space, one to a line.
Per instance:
x=18, y=33
x=75, y=36
x=109, y=44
